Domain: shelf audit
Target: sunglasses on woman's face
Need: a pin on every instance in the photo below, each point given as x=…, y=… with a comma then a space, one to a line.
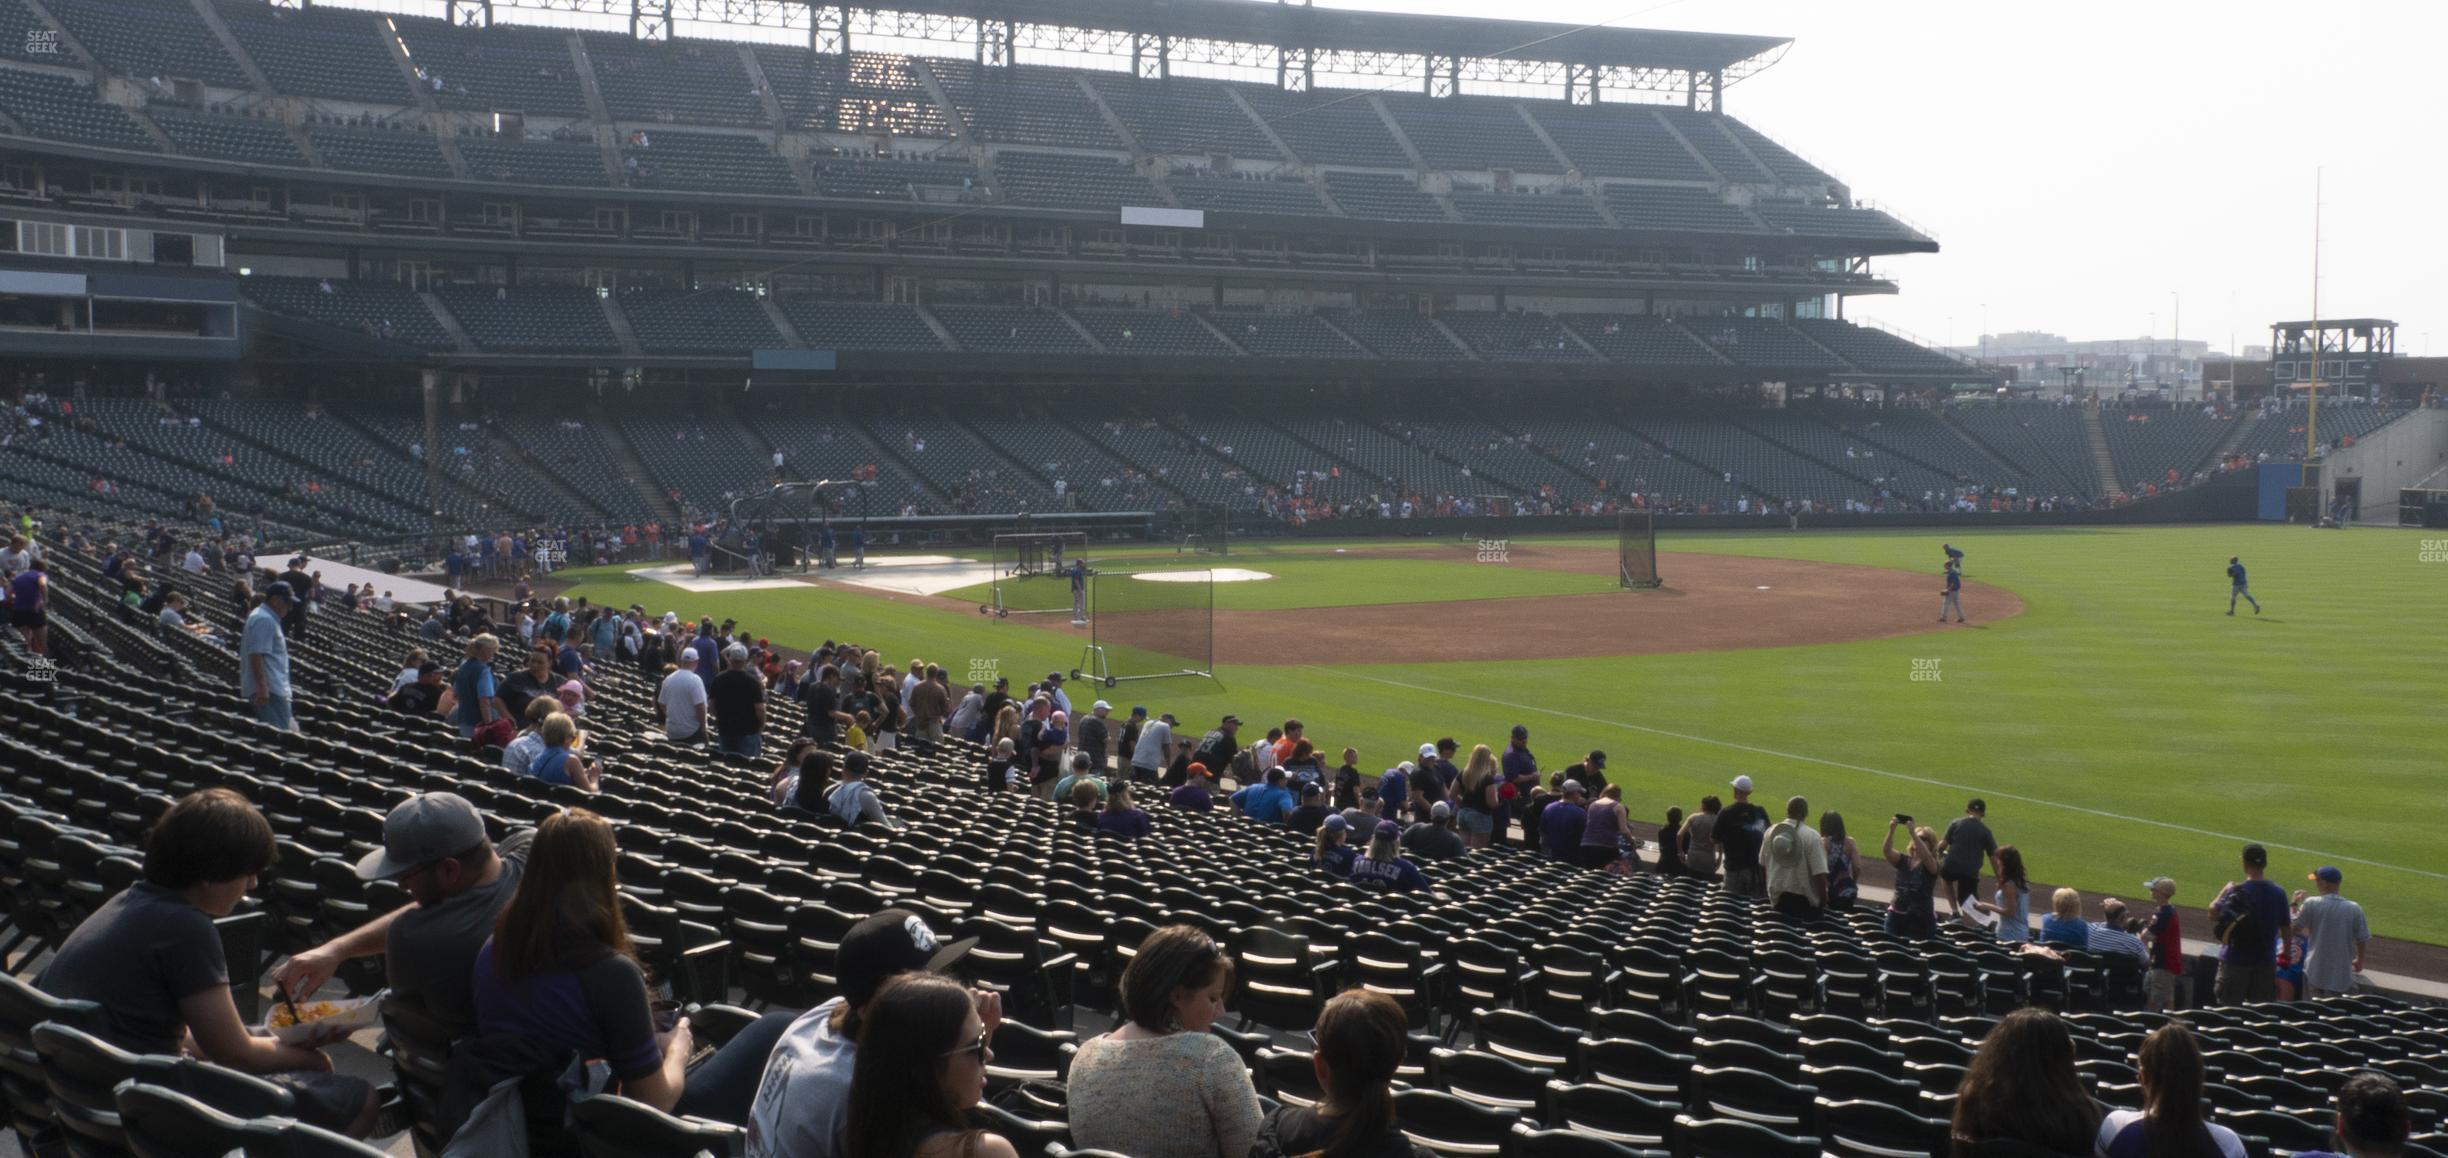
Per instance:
x=977, y=1047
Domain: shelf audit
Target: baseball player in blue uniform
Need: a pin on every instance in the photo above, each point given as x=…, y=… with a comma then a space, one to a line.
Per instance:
x=1953, y=600
x=1954, y=554
x=2239, y=590
x=1079, y=592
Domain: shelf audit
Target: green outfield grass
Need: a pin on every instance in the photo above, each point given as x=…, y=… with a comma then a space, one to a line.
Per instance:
x=2120, y=728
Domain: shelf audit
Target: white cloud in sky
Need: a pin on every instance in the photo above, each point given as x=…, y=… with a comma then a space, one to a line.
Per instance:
x=2081, y=162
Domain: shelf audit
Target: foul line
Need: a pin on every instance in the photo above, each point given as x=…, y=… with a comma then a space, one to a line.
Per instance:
x=1346, y=673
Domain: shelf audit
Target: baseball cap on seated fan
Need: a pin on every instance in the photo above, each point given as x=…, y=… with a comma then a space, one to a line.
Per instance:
x=890, y=943
x=421, y=830
x=1742, y=784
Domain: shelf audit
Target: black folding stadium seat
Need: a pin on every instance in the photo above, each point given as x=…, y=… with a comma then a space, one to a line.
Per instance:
x=1527, y=1039
x=22, y=1080
x=1449, y=1125
x=608, y=1126
x=1489, y=1079
x=1617, y=1115
x=1732, y=1138
x=1753, y=1097
x=1531, y=1143
x=1278, y=980
x=1638, y=1066
x=1875, y=1129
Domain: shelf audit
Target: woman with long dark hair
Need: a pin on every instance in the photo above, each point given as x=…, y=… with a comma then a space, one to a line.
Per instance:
x=1844, y=862
x=922, y=1055
x=1161, y=1086
x=2012, y=905
x=2171, y=1122
x=558, y=969
x=1359, y=1043
x=2022, y=1086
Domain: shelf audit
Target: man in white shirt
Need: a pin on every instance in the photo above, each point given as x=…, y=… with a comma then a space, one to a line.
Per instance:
x=193, y=564
x=684, y=701
x=805, y=1096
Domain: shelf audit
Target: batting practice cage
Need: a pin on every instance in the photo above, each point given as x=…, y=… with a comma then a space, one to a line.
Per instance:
x=1031, y=573
x=1206, y=530
x=1146, y=625
x=1636, y=561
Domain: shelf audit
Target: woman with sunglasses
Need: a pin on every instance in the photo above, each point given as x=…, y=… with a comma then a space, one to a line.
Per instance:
x=921, y=1067
x=1357, y=1045
x=1161, y=1086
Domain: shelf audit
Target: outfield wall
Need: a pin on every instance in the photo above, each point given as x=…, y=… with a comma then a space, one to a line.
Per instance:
x=2398, y=455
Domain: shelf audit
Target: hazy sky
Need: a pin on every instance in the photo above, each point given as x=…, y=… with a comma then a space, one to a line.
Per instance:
x=2080, y=162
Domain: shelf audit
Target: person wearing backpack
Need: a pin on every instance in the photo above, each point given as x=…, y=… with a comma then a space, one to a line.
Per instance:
x=1794, y=859
x=854, y=800
x=2249, y=917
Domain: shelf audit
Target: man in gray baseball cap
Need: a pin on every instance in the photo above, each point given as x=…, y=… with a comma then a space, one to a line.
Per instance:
x=436, y=847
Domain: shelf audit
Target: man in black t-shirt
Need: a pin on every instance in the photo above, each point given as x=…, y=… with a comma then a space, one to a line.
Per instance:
x=422, y=698
x=1968, y=844
x=823, y=702
x=1312, y=811
x=992, y=709
x=737, y=696
x=1740, y=829
x=294, y=624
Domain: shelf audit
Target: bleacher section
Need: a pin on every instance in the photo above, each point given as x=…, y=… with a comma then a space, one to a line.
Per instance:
x=1327, y=127
x=702, y=461
x=1024, y=105
x=1708, y=138
x=1386, y=463
x=1834, y=221
x=1678, y=208
x=832, y=325
x=1756, y=464
x=1146, y=333
x=1516, y=337
x=532, y=161
x=2045, y=439
x=1396, y=334
x=1761, y=342
x=2281, y=435
x=1626, y=462
x=1183, y=116
x=865, y=92
x=1563, y=208
x=1617, y=142
x=1877, y=351
x=188, y=459
x=406, y=152
x=1787, y=166
x=376, y=309
x=707, y=162
x=1277, y=335
x=1923, y=436
x=229, y=136
x=684, y=82
x=502, y=68
x=331, y=53
x=1470, y=134
x=531, y=319
x=1070, y=181
x=960, y=464
x=2148, y=442
x=1236, y=195
x=1843, y=453
x=1010, y=330
x=1179, y=462
x=1384, y=196
x=710, y=319
x=1092, y=475
x=1640, y=339
x=351, y=468
x=949, y=178
x=66, y=109
x=150, y=39
x=573, y=453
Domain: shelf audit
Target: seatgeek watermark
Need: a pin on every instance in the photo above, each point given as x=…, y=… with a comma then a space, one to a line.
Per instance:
x=41, y=670
x=982, y=671
x=2433, y=551
x=1925, y=671
x=1494, y=550
x=42, y=42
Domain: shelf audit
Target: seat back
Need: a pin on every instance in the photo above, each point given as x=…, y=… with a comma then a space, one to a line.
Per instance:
x=615, y=1127
x=420, y=1049
x=22, y=1007
x=163, y=1123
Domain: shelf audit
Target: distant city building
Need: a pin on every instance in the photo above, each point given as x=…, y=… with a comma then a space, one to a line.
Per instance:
x=2053, y=364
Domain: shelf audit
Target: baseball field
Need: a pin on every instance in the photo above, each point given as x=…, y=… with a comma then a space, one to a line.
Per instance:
x=2119, y=723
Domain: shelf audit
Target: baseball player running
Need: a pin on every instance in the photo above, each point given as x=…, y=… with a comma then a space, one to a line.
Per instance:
x=2239, y=590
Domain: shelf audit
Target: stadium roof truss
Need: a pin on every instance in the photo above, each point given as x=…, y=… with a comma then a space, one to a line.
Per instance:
x=1297, y=47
